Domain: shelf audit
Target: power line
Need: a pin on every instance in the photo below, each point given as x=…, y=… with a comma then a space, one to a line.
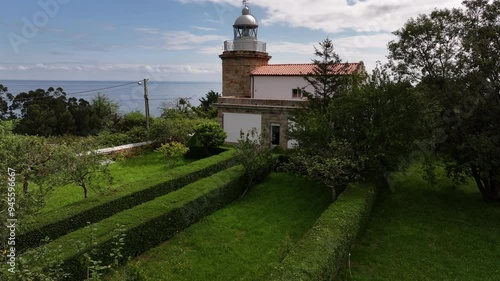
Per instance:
x=70, y=95
x=106, y=88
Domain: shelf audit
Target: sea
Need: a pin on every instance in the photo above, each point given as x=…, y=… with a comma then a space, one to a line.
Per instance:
x=128, y=95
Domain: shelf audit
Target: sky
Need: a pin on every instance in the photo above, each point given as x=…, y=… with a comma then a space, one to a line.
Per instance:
x=180, y=40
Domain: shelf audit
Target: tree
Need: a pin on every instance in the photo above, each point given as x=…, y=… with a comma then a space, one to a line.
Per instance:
x=454, y=57
x=31, y=160
x=104, y=112
x=178, y=108
x=207, y=107
x=255, y=157
x=5, y=96
x=351, y=130
x=81, y=164
x=325, y=78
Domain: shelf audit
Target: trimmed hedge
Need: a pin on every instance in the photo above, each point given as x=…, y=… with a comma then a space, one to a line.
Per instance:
x=321, y=253
x=184, y=175
x=149, y=224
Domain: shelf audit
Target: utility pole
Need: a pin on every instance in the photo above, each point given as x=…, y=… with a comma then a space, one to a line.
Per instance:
x=146, y=101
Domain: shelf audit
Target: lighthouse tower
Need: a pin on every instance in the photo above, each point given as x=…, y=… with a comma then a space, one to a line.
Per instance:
x=242, y=55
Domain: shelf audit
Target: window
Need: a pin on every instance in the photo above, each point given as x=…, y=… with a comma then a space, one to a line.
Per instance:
x=297, y=93
x=275, y=135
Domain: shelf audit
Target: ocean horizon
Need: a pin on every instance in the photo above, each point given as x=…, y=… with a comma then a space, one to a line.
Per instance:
x=129, y=95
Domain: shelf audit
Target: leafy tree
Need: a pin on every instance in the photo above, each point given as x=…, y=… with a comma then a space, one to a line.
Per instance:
x=208, y=135
x=454, y=57
x=254, y=155
x=30, y=159
x=81, y=164
x=351, y=130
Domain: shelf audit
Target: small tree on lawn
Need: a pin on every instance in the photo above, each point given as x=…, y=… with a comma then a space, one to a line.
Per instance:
x=255, y=157
x=82, y=165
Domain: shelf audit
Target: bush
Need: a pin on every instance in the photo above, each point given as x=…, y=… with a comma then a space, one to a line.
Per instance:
x=167, y=130
x=107, y=139
x=137, y=134
x=131, y=120
x=208, y=135
x=174, y=151
x=323, y=250
x=255, y=156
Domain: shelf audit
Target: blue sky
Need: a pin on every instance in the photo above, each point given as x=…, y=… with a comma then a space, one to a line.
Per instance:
x=180, y=40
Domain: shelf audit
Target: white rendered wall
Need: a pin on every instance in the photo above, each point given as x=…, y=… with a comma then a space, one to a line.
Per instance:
x=235, y=122
x=278, y=87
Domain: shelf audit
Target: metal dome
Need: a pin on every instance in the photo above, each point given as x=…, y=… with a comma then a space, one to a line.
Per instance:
x=246, y=19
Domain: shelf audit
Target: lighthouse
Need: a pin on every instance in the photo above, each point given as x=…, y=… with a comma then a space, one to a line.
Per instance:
x=242, y=55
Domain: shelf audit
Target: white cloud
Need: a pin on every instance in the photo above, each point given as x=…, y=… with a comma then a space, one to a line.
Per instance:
x=183, y=40
x=203, y=28
x=200, y=68
x=339, y=15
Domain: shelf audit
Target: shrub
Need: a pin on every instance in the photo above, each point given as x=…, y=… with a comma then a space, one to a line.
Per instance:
x=131, y=120
x=167, y=130
x=208, y=135
x=174, y=151
x=255, y=156
x=106, y=138
x=137, y=134
x=324, y=249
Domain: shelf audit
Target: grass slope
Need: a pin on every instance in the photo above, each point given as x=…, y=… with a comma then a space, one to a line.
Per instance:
x=243, y=241
x=421, y=232
x=150, y=164
x=132, y=175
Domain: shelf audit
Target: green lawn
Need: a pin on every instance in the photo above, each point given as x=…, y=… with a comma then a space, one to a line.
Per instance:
x=419, y=232
x=132, y=175
x=243, y=241
x=150, y=164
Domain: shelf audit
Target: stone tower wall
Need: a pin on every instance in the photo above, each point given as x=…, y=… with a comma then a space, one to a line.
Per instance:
x=236, y=68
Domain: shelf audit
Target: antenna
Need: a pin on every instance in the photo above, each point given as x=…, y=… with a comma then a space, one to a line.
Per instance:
x=245, y=3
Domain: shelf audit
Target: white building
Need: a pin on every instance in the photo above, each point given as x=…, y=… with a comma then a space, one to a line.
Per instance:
x=256, y=94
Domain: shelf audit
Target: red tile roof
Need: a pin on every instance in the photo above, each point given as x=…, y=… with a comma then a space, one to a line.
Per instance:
x=304, y=69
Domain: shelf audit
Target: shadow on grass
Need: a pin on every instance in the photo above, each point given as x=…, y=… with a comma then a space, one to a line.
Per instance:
x=423, y=232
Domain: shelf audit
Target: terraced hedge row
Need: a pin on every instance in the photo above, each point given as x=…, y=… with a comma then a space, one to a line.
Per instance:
x=323, y=250
x=149, y=224
x=149, y=190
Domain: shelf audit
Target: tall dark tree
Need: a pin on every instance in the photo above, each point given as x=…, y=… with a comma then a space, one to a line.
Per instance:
x=454, y=56
x=43, y=113
x=325, y=78
x=4, y=104
x=206, y=106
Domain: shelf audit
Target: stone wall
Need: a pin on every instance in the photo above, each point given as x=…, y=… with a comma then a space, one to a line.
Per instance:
x=272, y=112
x=236, y=68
